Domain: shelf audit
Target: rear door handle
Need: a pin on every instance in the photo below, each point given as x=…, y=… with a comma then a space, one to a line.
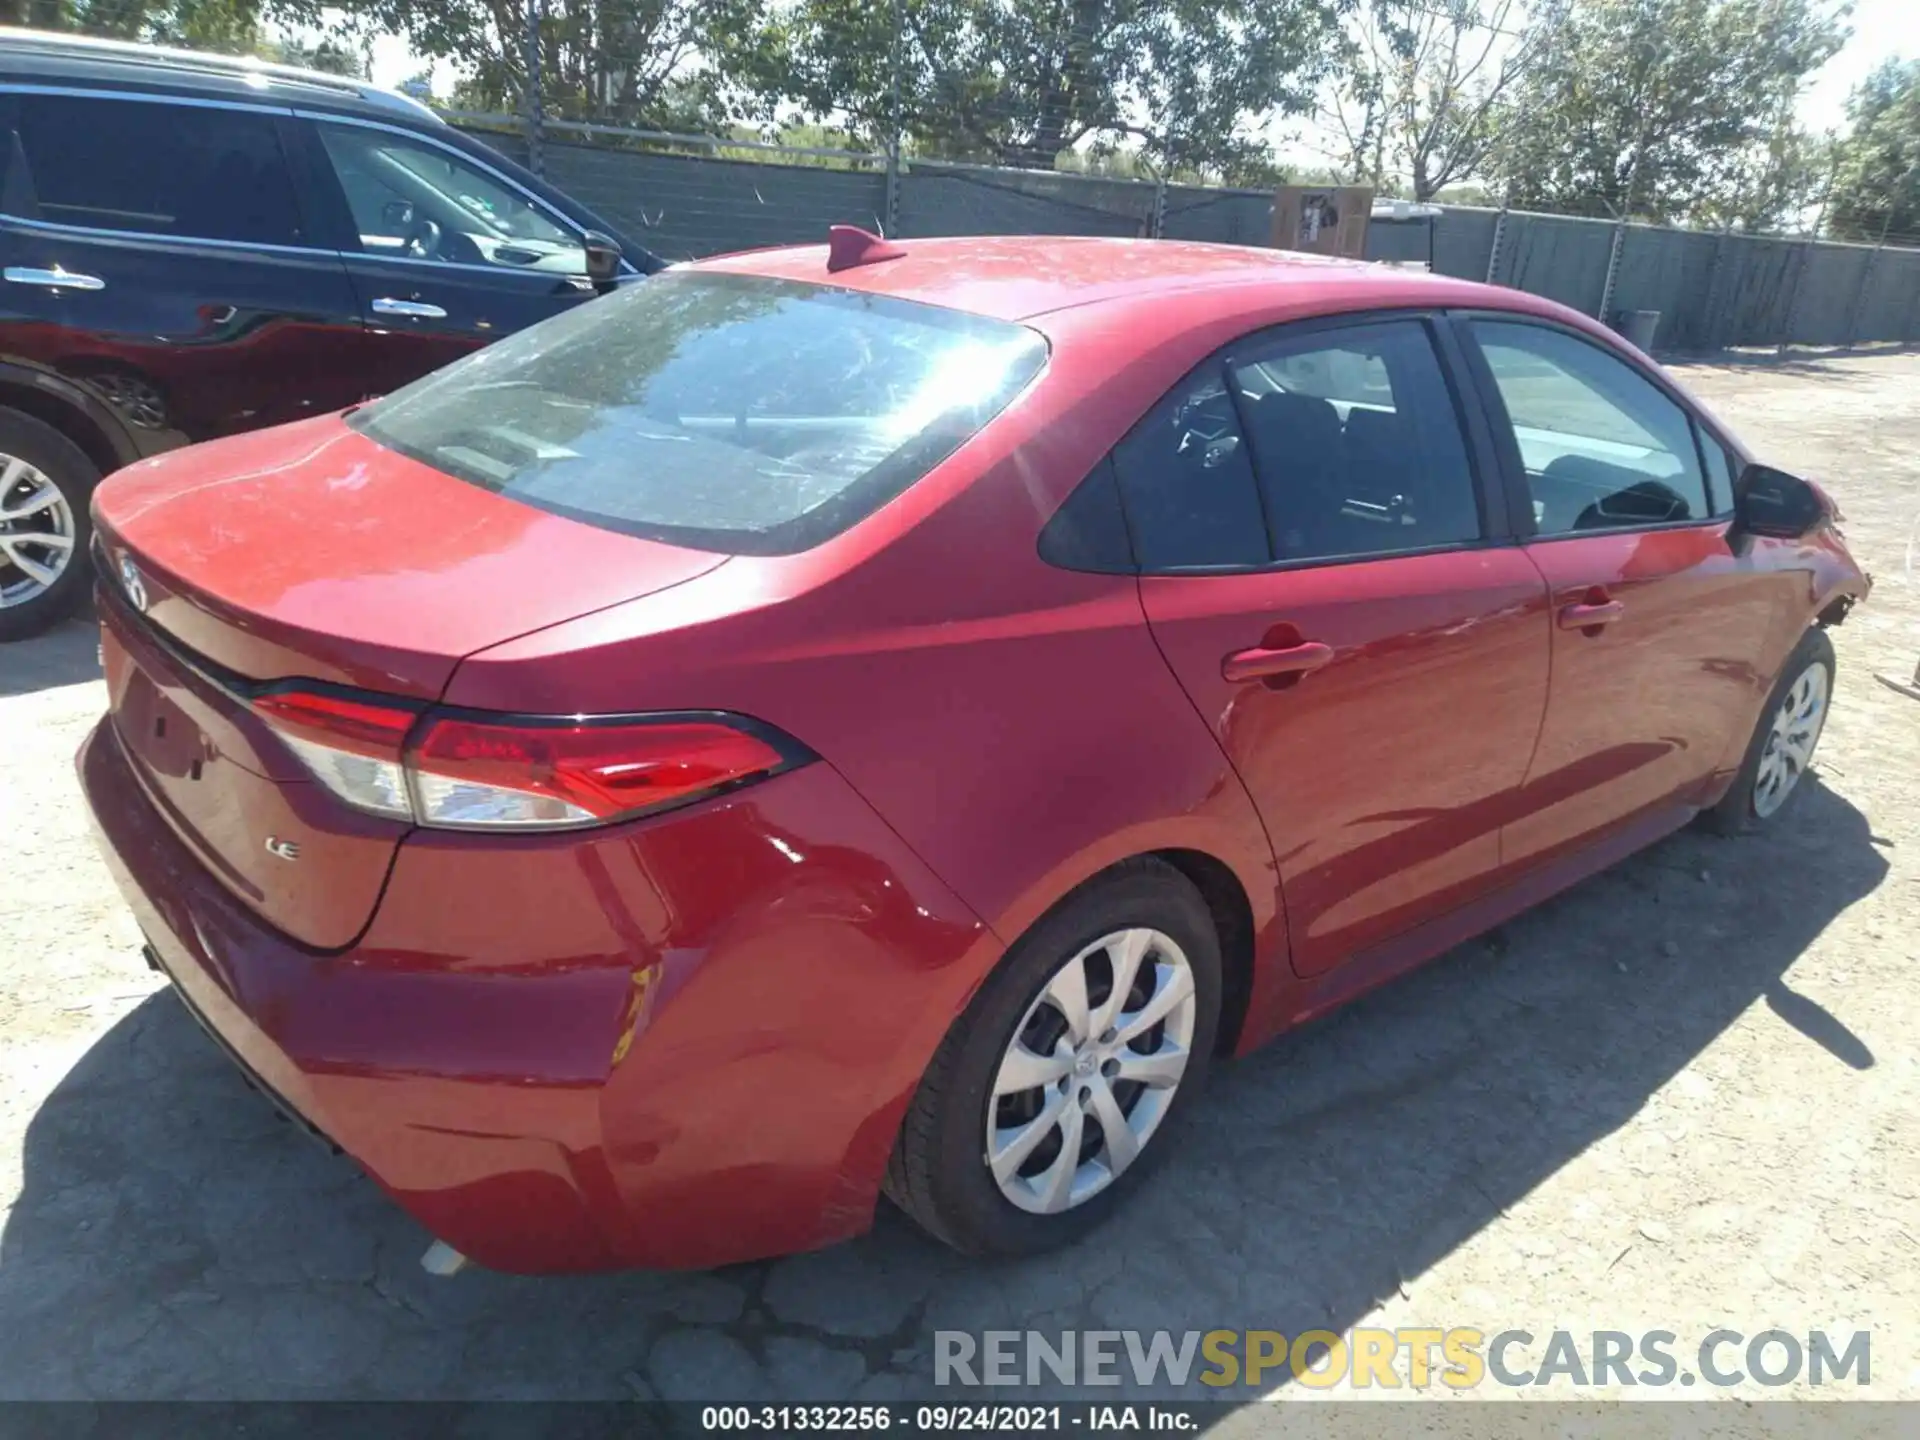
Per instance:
x=1590, y=615
x=412, y=309
x=1260, y=663
x=54, y=279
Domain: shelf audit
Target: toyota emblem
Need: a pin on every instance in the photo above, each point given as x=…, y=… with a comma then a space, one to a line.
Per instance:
x=131, y=582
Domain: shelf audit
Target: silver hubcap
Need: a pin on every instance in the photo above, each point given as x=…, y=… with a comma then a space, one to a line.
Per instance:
x=1790, y=741
x=36, y=532
x=1091, y=1071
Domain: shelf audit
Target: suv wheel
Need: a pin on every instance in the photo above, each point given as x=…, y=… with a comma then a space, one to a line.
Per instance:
x=45, y=483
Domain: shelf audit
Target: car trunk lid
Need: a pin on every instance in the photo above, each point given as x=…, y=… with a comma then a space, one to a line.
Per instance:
x=310, y=553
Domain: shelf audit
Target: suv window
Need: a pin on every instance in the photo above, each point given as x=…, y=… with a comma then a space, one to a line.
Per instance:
x=411, y=198
x=1603, y=447
x=726, y=412
x=196, y=171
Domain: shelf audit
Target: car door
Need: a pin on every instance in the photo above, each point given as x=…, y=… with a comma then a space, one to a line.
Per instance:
x=154, y=249
x=1323, y=573
x=1659, y=627
x=445, y=253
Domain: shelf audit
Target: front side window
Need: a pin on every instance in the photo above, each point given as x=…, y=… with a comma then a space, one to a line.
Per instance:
x=198, y=172
x=725, y=412
x=415, y=200
x=1603, y=447
x=1720, y=472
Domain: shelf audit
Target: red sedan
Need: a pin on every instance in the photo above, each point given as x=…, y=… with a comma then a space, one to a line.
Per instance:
x=883, y=718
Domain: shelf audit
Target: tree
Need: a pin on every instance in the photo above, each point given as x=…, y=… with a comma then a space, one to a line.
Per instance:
x=1654, y=108
x=655, y=64
x=1019, y=82
x=1876, y=187
x=1420, y=100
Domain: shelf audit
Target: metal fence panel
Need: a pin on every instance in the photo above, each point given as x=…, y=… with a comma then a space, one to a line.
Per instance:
x=1756, y=290
x=966, y=201
x=681, y=206
x=1226, y=217
x=1462, y=243
x=1561, y=258
x=1828, y=288
x=1890, y=305
x=1667, y=271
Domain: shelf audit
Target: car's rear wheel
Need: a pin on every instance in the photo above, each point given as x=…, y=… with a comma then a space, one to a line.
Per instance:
x=1057, y=1089
x=1781, y=750
x=45, y=483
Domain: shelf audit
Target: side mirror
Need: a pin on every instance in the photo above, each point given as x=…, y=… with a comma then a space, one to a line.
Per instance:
x=603, y=256
x=1771, y=502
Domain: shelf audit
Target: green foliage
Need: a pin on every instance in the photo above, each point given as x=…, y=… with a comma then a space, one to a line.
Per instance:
x=1018, y=82
x=1876, y=187
x=651, y=64
x=1656, y=108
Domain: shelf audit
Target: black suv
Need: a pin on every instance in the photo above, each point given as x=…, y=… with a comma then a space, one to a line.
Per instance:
x=195, y=245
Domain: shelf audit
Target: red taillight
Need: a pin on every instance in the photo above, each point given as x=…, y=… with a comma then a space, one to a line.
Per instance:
x=486, y=772
x=365, y=727
x=350, y=743
x=469, y=771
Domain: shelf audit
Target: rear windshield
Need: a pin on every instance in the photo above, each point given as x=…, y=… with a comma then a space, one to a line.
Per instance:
x=722, y=412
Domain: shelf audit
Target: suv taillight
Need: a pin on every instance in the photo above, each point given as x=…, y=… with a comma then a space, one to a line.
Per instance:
x=462, y=770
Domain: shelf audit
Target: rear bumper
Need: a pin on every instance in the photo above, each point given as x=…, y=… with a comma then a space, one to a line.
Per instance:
x=680, y=1043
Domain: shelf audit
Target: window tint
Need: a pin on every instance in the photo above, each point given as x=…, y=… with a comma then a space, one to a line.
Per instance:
x=1187, y=482
x=727, y=412
x=1357, y=444
x=416, y=200
x=1603, y=446
x=1720, y=473
x=189, y=170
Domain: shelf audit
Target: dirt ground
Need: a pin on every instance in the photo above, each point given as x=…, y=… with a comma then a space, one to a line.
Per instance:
x=1682, y=1096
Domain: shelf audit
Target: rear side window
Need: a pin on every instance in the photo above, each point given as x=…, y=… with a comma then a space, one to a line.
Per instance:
x=1319, y=446
x=194, y=171
x=1357, y=443
x=724, y=412
x=1186, y=480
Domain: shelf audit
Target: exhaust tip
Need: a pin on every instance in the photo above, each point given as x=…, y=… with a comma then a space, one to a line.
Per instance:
x=442, y=1260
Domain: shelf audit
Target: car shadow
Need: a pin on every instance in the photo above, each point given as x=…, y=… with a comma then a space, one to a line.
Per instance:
x=173, y=1238
x=68, y=654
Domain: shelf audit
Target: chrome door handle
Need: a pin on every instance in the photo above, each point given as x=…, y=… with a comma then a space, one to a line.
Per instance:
x=1591, y=615
x=1262, y=663
x=54, y=279
x=412, y=309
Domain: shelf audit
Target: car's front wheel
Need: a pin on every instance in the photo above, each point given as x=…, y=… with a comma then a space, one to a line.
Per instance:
x=45, y=483
x=1050, y=1096
x=1781, y=750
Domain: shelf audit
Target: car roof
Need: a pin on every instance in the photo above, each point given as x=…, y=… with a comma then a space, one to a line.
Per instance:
x=80, y=62
x=1019, y=277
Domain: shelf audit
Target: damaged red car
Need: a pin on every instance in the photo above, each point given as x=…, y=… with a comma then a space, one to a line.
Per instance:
x=885, y=718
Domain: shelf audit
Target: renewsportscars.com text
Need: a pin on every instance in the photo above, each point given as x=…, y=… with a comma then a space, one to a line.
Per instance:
x=1461, y=1358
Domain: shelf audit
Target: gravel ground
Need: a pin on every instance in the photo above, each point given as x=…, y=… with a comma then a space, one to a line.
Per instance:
x=1680, y=1097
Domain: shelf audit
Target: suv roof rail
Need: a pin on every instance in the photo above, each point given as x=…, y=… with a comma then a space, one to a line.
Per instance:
x=202, y=62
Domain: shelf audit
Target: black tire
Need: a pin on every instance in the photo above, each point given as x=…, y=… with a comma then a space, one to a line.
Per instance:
x=1735, y=813
x=938, y=1172
x=74, y=475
